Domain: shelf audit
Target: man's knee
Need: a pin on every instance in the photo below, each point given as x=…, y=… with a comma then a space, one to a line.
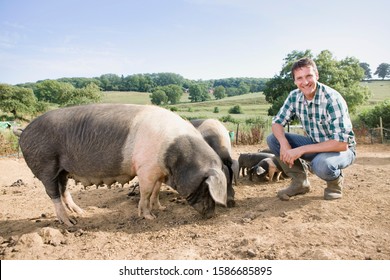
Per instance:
x=273, y=144
x=270, y=139
x=325, y=170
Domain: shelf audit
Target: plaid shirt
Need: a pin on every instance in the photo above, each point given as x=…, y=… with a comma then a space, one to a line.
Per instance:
x=323, y=118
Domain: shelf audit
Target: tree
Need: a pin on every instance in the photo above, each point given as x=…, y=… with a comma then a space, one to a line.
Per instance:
x=80, y=82
x=53, y=91
x=243, y=88
x=174, y=93
x=65, y=94
x=344, y=76
x=164, y=79
x=367, y=70
x=277, y=88
x=236, y=109
x=383, y=70
x=138, y=82
x=255, y=84
x=132, y=83
x=89, y=94
x=219, y=92
x=158, y=97
x=198, y=93
x=110, y=82
x=17, y=100
x=231, y=91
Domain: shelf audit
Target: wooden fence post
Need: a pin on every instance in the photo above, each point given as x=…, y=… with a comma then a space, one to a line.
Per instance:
x=238, y=125
x=381, y=129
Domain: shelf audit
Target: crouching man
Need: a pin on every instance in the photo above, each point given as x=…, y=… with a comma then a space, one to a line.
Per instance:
x=329, y=143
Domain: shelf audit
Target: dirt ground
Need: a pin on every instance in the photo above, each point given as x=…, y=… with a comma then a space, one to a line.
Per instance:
x=261, y=226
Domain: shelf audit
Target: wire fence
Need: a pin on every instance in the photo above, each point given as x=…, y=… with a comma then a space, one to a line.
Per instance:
x=377, y=135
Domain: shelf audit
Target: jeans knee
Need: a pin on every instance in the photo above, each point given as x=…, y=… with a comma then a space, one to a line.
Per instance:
x=273, y=144
x=325, y=171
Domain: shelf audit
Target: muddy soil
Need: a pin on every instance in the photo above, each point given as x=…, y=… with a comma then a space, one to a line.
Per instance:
x=356, y=227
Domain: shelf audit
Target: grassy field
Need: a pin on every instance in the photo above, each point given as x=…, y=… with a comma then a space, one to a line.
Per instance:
x=130, y=97
x=380, y=91
x=253, y=105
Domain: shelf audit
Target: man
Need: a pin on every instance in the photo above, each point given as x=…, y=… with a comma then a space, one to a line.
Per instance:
x=329, y=143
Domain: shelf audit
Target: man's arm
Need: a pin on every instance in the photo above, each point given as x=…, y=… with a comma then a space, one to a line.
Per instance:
x=289, y=155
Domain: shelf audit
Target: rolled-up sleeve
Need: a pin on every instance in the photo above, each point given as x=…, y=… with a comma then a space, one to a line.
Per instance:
x=286, y=112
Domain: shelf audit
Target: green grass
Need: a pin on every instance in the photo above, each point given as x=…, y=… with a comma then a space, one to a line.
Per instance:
x=380, y=91
x=127, y=97
x=253, y=105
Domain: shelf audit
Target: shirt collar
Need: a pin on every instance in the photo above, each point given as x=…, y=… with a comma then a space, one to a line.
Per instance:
x=317, y=97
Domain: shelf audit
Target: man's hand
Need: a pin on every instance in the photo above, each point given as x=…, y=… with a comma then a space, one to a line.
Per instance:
x=288, y=156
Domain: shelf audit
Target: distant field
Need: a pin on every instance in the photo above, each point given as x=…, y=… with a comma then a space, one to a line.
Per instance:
x=253, y=105
x=131, y=97
x=380, y=91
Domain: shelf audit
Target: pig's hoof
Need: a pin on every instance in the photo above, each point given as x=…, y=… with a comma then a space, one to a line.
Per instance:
x=284, y=197
x=149, y=217
x=68, y=222
x=231, y=203
x=159, y=207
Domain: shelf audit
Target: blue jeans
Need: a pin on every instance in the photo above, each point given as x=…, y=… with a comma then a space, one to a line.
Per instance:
x=327, y=165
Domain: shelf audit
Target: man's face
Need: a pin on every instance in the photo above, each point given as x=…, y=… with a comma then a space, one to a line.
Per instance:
x=305, y=78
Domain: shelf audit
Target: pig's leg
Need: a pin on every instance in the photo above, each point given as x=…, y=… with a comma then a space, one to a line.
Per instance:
x=271, y=173
x=66, y=196
x=50, y=178
x=70, y=204
x=146, y=189
x=278, y=173
x=62, y=216
x=61, y=213
x=154, y=199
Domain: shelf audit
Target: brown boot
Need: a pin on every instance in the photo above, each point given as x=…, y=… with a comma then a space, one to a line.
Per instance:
x=334, y=188
x=299, y=182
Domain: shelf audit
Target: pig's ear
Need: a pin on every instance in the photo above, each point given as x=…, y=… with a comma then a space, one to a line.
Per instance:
x=260, y=170
x=217, y=186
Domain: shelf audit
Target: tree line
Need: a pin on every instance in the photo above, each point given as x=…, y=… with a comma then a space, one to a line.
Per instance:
x=382, y=71
x=164, y=89
x=21, y=101
x=167, y=88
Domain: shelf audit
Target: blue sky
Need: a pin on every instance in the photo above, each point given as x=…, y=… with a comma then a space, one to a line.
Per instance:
x=198, y=39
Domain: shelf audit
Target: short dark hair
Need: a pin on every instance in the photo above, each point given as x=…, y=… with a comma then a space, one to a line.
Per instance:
x=303, y=62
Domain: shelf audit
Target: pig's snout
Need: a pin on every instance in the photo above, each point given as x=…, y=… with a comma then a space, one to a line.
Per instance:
x=202, y=202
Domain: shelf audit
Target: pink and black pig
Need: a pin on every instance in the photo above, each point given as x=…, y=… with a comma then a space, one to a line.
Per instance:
x=268, y=166
x=103, y=144
x=217, y=136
